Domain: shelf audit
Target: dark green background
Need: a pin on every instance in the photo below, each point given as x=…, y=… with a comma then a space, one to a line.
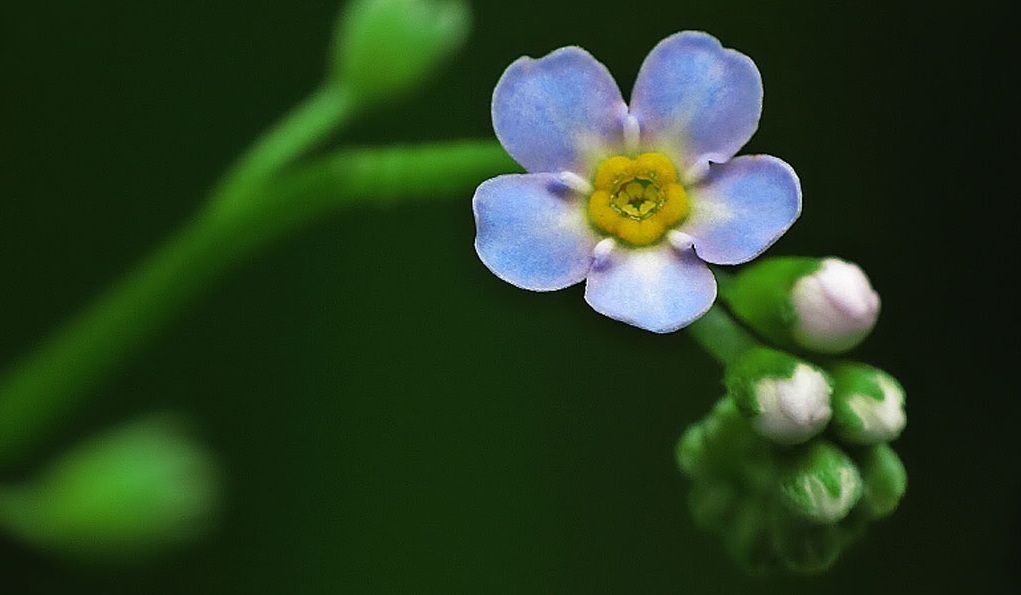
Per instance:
x=392, y=417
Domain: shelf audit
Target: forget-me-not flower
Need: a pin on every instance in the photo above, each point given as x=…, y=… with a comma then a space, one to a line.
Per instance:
x=635, y=199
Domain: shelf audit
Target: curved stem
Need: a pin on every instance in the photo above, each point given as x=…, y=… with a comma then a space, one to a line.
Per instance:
x=302, y=128
x=45, y=387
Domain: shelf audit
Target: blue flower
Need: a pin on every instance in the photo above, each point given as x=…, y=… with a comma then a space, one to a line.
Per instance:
x=635, y=199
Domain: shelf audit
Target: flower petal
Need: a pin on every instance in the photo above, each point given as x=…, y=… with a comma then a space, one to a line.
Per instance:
x=660, y=289
x=532, y=231
x=562, y=112
x=742, y=207
x=696, y=101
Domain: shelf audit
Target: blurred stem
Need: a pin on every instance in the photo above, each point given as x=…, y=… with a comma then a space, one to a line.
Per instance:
x=304, y=127
x=44, y=388
x=720, y=335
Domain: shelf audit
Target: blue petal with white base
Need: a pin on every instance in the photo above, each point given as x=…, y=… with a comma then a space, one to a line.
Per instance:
x=660, y=289
x=696, y=101
x=562, y=112
x=742, y=207
x=531, y=231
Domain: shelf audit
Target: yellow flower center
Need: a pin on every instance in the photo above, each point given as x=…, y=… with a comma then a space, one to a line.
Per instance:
x=638, y=199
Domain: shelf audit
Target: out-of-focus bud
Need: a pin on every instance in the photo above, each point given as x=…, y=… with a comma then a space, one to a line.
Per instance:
x=131, y=492
x=712, y=503
x=868, y=404
x=806, y=547
x=695, y=454
x=787, y=400
x=885, y=479
x=747, y=535
x=822, y=483
x=385, y=48
x=825, y=305
x=723, y=445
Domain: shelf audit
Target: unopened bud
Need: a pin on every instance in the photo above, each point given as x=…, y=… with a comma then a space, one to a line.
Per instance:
x=836, y=307
x=747, y=536
x=825, y=305
x=130, y=492
x=723, y=445
x=384, y=48
x=868, y=404
x=806, y=547
x=885, y=479
x=787, y=400
x=712, y=503
x=821, y=484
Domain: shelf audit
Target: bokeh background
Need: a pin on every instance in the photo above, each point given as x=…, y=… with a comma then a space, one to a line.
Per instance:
x=393, y=418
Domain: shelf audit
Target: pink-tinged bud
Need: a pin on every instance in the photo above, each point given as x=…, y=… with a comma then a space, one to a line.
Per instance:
x=835, y=307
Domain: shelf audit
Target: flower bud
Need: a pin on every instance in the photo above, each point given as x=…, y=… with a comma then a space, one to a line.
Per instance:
x=713, y=502
x=821, y=484
x=836, y=307
x=136, y=489
x=787, y=400
x=385, y=48
x=806, y=547
x=694, y=452
x=885, y=479
x=825, y=305
x=747, y=536
x=722, y=445
x=868, y=404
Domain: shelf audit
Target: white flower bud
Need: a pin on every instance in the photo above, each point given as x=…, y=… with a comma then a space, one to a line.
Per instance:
x=793, y=409
x=836, y=307
x=785, y=399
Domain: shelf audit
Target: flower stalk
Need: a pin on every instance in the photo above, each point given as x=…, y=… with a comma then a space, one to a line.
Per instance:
x=721, y=336
x=46, y=386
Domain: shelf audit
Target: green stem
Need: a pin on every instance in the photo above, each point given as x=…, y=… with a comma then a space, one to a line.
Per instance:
x=44, y=388
x=305, y=126
x=390, y=175
x=721, y=336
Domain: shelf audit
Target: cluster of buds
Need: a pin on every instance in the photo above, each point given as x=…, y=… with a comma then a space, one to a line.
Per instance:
x=794, y=462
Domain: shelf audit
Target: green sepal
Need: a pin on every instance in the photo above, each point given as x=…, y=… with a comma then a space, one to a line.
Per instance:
x=760, y=295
